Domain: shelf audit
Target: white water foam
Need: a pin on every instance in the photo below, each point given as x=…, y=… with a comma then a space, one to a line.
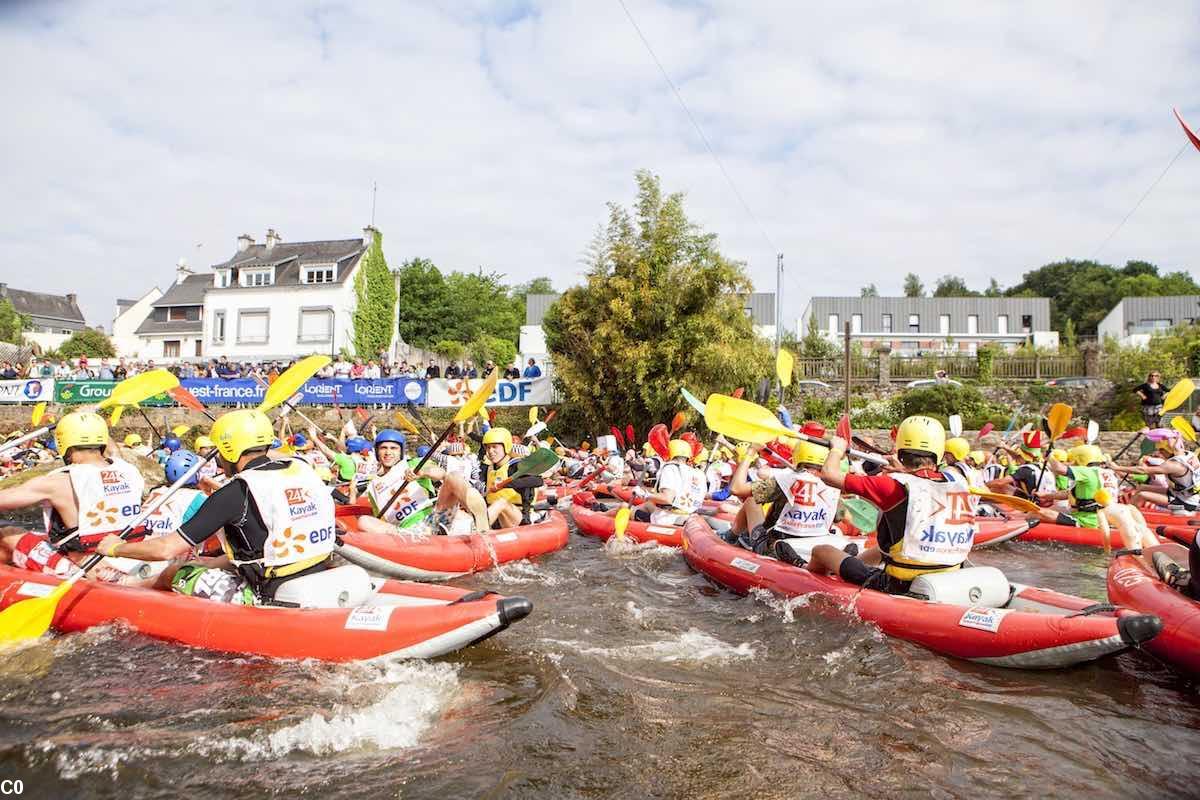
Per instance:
x=692, y=646
x=524, y=572
x=785, y=606
x=621, y=548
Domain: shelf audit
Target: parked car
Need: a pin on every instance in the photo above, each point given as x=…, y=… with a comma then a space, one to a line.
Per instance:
x=925, y=383
x=1076, y=382
x=813, y=384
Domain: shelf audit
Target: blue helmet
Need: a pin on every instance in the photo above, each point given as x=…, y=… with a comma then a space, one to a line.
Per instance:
x=276, y=443
x=299, y=441
x=179, y=463
x=422, y=451
x=357, y=444
x=390, y=435
x=171, y=444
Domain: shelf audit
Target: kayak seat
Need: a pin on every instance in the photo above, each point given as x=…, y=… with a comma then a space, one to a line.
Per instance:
x=340, y=587
x=972, y=586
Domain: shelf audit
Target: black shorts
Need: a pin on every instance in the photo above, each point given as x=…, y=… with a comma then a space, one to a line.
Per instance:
x=853, y=570
x=641, y=515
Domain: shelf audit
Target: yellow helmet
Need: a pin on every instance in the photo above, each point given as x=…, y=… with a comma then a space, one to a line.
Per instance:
x=978, y=456
x=133, y=440
x=678, y=448
x=1102, y=496
x=809, y=453
x=1086, y=454
x=324, y=473
x=922, y=434
x=702, y=456
x=499, y=436
x=1058, y=454
x=203, y=443
x=647, y=449
x=238, y=431
x=958, y=447
x=80, y=429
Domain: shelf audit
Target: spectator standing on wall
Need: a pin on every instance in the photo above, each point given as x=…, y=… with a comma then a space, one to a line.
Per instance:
x=359, y=370
x=120, y=372
x=1151, y=394
x=532, y=371
x=452, y=371
x=432, y=371
x=7, y=373
x=341, y=369
x=512, y=372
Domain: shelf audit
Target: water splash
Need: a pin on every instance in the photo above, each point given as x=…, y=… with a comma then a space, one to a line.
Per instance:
x=692, y=645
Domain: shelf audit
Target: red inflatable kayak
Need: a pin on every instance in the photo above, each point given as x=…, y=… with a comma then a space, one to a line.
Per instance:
x=401, y=619
x=1133, y=582
x=439, y=558
x=1184, y=534
x=1030, y=629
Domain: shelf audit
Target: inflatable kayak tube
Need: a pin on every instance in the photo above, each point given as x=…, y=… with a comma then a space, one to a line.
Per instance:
x=624, y=492
x=1184, y=534
x=393, y=619
x=439, y=558
x=1159, y=517
x=1027, y=628
x=1133, y=582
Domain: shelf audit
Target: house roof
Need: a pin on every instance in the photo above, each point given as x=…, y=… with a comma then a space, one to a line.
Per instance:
x=40, y=304
x=152, y=327
x=188, y=293
x=289, y=257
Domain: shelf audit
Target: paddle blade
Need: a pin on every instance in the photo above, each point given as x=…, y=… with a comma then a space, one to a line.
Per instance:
x=476, y=401
x=738, y=392
x=1178, y=394
x=620, y=437
x=621, y=522
x=658, y=438
x=1019, y=503
x=1183, y=426
x=692, y=401
x=843, y=427
x=985, y=430
x=142, y=386
x=813, y=429
x=39, y=411
x=955, y=425
x=742, y=420
x=1078, y=432
x=30, y=619
x=115, y=417
x=180, y=430
x=629, y=436
x=784, y=362
x=536, y=462
x=361, y=413
x=405, y=423
x=694, y=441
x=533, y=414
x=291, y=380
x=1146, y=447
x=1093, y=430
x=677, y=422
x=550, y=416
x=863, y=513
x=1057, y=419
x=185, y=398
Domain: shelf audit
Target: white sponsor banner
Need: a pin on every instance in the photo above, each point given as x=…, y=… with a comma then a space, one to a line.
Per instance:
x=445, y=393
x=32, y=390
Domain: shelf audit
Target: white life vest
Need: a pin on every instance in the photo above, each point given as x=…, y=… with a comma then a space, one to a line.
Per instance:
x=968, y=475
x=316, y=458
x=693, y=487
x=297, y=510
x=406, y=510
x=208, y=469
x=107, y=496
x=1111, y=482
x=614, y=467
x=718, y=473
x=365, y=466
x=810, y=506
x=1182, y=489
x=169, y=516
x=938, y=526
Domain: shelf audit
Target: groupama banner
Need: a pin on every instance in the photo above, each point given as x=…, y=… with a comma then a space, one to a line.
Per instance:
x=73, y=392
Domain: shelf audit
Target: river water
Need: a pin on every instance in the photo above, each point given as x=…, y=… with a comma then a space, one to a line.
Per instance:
x=634, y=677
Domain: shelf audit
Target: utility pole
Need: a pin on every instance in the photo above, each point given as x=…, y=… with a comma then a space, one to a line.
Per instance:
x=846, y=344
x=374, y=192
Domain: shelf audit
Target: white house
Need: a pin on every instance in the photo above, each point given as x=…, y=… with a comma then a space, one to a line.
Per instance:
x=174, y=329
x=281, y=300
x=53, y=318
x=130, y=316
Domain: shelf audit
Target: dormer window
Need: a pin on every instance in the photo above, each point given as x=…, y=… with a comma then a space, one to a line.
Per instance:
x=221, y=279
x=318, y=273
x=257, y=277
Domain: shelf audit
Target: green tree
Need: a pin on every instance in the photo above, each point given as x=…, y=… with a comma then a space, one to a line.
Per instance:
x=87, y=342
x=449, y=350
x=535, y=286
x=868, y=291
x=1069, y=338
x=422, y=302
x=952, y=286
x=12, y=324
x=816, y=344
x=913, y=286
x=993, y=289
x=659, y=309
x=491, y=348
x=375, y=302
x=479, y=303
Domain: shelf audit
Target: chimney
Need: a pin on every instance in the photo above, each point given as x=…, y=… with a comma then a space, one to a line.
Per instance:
x=273, y=238
x=182, y=271
x=3, y=290
x=369, y=235
x=244, y=242
x=71, y=298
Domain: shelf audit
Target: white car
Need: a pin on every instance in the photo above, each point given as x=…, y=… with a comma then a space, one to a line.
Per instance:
x=925, y=383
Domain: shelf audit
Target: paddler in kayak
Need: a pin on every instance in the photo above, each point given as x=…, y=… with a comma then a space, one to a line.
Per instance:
x=679, y=489
x=1026, y=478
x=275, y=519
x=90, y=498
x=1182, y=471
x=503, y=503
x=791, y=503
x=925, y=523
x=453, y=508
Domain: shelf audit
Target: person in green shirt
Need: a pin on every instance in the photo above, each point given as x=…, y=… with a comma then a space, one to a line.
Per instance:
x=1087, y=493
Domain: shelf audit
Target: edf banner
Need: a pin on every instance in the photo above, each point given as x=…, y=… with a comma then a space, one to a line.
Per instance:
x=445, y=393
x=32, y=390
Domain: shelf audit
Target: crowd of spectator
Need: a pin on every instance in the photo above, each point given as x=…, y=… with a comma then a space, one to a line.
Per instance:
x=116, y=369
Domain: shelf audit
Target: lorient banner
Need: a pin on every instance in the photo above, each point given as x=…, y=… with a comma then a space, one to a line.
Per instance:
x=445, y=393
x=393, y=391
x=33, y=390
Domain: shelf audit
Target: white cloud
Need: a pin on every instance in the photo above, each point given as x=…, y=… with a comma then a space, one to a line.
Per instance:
x=972, y=139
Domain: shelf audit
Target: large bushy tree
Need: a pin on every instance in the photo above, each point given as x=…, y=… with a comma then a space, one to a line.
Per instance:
x=659, y=309
x=12, y=324
x=375, y=302
x=87, y=342
x=421, y=303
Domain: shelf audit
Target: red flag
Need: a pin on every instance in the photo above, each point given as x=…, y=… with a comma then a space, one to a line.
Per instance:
x=843, y=427
x=738, y=392
x=618, y=436
x=1192, y=137
x=629, y=437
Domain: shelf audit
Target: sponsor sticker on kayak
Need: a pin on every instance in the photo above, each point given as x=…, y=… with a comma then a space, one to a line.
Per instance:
x=369, y=618
x=30, y=589
x=659, y=529
x=744, y=565
x=1128, y=577
x=983, y=619
x=506, y=537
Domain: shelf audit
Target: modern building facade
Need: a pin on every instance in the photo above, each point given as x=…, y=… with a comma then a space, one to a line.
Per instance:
x=920, y=325
x=1135, y=319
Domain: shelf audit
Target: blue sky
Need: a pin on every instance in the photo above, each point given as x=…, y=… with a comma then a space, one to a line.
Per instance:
x=873, y=139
